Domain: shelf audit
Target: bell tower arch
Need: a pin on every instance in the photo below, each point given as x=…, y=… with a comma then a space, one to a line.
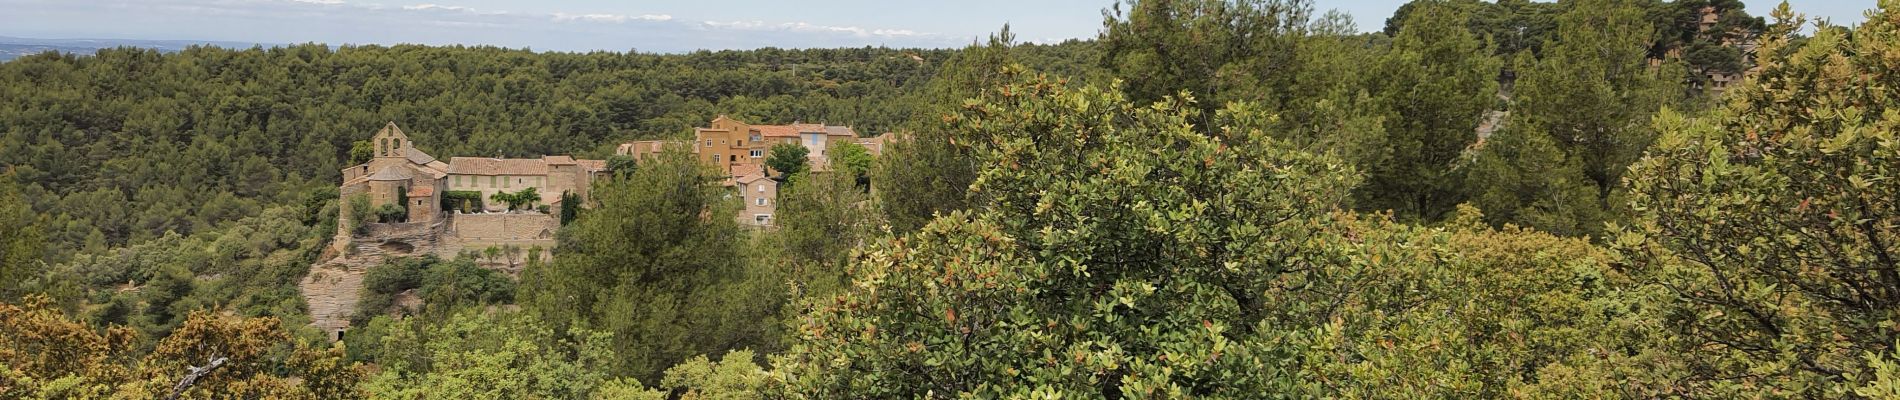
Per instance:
x=392, y=143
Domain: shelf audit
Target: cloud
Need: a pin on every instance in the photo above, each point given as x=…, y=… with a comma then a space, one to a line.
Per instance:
x=616, y=18
x=810, y=28
x=445, y=22
x=439, y=7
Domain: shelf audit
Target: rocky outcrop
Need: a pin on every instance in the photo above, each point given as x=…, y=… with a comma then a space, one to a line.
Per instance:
x=333, y=286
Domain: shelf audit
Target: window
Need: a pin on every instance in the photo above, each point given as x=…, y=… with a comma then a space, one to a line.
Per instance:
x=741, y=143
x=762, y=219
x=491, y=182
x=722, y=141
x=715, y=157
x=708, y=142
x=735, y=158
x=756, y=153
x=761, y=188
x=759, y=201
x=755, y=136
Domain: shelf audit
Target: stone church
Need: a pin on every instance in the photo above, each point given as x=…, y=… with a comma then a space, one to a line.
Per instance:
x=434, y=221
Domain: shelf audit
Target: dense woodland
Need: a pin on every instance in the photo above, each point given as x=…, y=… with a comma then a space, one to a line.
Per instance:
x=1213, y=199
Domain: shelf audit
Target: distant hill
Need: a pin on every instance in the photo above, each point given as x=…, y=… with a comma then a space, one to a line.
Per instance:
x=14, y=47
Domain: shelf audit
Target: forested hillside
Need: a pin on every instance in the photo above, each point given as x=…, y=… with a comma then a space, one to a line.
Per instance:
x=1212, y=199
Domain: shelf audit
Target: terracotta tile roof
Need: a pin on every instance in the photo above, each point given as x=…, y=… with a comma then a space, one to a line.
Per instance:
x=592, y=165
x=749, y=178
x=794, y=129
x=776, y=130
x=558, y=160
x=745, y=169
x=497, y=166
x=421, y=191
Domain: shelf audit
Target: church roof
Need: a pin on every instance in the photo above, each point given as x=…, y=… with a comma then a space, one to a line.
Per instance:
x=419, y=157
x=421, y=191
x=390, y=173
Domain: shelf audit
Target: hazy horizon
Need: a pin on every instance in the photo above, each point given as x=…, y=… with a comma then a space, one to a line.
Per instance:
x=590, y=25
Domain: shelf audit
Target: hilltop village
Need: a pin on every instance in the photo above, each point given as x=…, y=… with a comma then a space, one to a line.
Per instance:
x=404, y=202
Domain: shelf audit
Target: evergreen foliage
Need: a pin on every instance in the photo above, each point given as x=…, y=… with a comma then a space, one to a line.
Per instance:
x=1437, y=81
x=657, y=264
x=1213, y=199
x=788, y=159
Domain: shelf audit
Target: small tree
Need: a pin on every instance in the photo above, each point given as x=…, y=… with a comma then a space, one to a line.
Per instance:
x=528, y=197
x=522, y=200
x=570, y=207
x=391, y=213
x=852, y=158
x=361, y=214
x=361, y=151
x=505, y=198
x=621, y=165
x=513, y=252
x=491, y=253
x=788, y=158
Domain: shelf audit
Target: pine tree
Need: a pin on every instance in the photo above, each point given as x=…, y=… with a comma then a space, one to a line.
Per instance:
x=1436, y=82
x=1591, y=94
x=657, y=264
x=21, y=244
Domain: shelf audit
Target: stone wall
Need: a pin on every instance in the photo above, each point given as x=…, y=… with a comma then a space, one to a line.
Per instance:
x=478, y=231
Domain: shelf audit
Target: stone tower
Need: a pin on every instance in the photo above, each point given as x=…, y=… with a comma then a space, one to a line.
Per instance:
x=392, y=147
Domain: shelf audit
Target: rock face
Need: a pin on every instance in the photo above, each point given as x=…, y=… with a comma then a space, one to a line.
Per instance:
x=333, y=286
x=332, y=291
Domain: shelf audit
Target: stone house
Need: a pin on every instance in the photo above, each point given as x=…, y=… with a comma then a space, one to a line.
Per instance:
x=758, y=192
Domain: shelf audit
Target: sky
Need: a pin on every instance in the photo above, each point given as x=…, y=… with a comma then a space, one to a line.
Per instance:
x=644, y=25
